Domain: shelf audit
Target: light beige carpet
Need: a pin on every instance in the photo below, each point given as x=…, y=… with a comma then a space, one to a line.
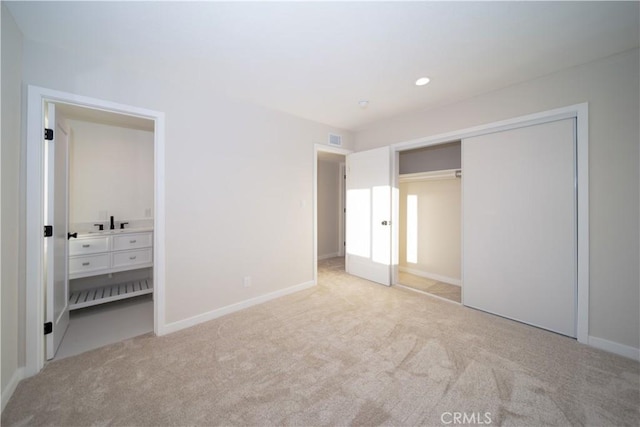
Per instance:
x=347, y=352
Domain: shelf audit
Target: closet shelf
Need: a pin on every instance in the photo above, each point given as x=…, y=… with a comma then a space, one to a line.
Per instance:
x=105, y=294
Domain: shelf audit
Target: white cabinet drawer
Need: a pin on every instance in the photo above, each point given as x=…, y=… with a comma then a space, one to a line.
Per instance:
x=132, y=241
x=109, y=253
x=131, y=258
x=88, y=246
x=88, y=264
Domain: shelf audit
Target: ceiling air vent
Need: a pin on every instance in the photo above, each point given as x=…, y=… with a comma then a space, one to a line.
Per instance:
x=335, y=140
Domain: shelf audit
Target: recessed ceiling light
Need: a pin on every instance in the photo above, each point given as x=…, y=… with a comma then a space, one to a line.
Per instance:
x=364, y=103
x=422, y=81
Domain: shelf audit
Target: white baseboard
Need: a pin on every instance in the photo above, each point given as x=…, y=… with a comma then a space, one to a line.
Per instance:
x=327, y=256
x=214, y=314
x=432, y=276
x=614, y=347
x=18, y=376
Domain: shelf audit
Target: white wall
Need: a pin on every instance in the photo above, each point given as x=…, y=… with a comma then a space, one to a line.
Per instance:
x=110, y=173
x=239, y=178
x=10, y=200
x=439, y=209
x=611, y=87
x=328, y=208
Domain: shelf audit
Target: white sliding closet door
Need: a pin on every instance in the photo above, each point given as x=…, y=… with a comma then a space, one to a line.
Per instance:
x=519, y=225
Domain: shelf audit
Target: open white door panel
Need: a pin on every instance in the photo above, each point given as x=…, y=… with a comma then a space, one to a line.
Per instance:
x=56, y=205
x=368, y=216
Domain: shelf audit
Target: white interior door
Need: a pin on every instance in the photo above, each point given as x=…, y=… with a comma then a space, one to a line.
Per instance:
x=368, y=216
x=519, y=225
x=56, y=214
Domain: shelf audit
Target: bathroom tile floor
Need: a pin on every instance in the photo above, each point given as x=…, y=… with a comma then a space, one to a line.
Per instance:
x=430, y=286
x=100, y=325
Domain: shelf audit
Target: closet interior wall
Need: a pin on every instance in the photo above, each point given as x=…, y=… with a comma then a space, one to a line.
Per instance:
x=430, y=209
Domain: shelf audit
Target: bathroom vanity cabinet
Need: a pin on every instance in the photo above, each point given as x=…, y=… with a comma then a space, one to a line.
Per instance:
x=104, y=253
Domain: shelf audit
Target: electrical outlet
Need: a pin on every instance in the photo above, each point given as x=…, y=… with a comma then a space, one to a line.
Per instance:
x=246, y=281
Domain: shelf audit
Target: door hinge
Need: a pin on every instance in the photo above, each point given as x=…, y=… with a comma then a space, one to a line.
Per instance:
x=48, y=230
x=48, y=328
x=48, y=134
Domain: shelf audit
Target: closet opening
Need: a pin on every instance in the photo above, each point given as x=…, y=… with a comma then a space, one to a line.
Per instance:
x=429, y=231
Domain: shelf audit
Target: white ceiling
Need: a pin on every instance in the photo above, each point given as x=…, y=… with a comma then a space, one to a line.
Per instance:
x=318, y=59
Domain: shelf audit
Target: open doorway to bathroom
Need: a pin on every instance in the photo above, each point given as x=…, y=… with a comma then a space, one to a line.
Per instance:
x=430, y=220
x=110, y=171
x=47, y=278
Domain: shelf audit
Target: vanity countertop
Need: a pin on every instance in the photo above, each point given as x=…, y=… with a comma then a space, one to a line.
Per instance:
x=116, y=231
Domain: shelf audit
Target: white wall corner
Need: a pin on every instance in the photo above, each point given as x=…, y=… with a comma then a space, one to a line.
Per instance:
x=232, y=308
x=615, y=348
x=18, y=376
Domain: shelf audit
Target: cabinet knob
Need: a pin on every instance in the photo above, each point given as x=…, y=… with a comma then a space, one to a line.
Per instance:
x=85, y=263
x=132, y=241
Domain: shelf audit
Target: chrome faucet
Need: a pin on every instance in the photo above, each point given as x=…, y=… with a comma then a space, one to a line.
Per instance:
x=112, y=226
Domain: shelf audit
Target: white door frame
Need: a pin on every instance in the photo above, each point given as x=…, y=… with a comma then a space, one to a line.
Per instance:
x=327, y=149
x=342, y=208
x=581, y=113
x=35, y=298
